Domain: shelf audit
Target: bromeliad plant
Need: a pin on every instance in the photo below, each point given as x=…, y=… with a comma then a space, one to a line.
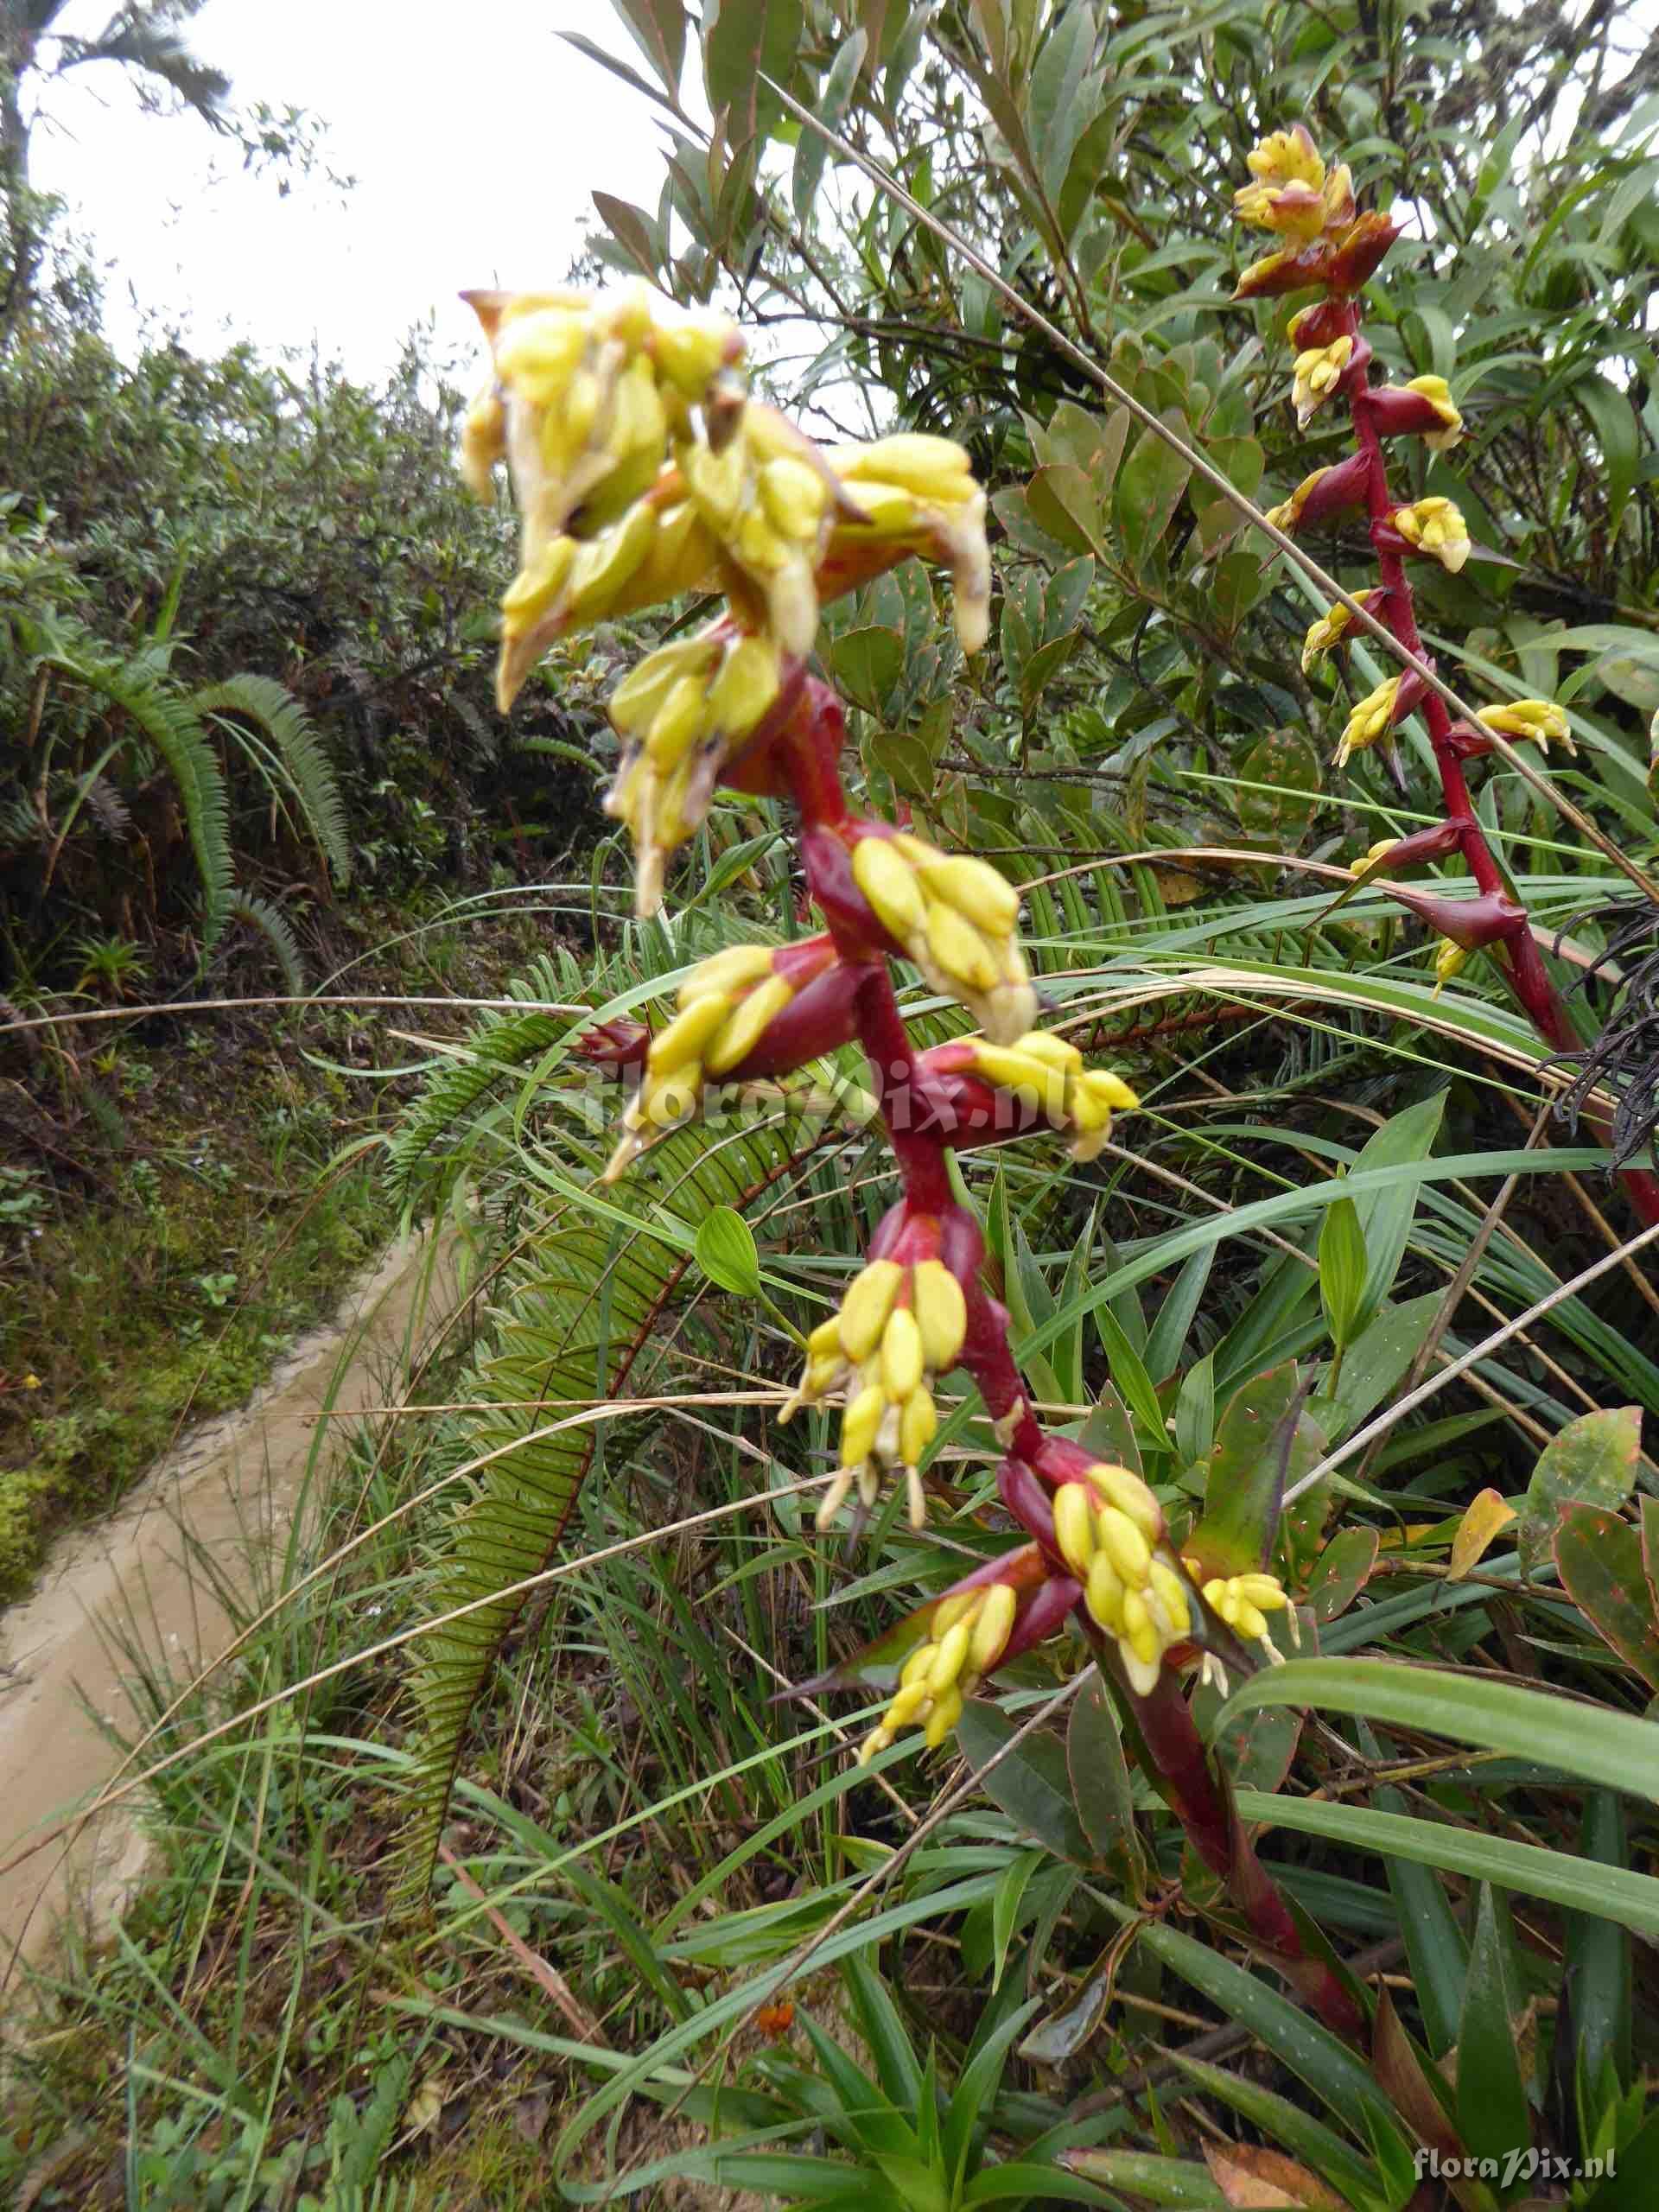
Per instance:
x=643, y=468
x=1327, y=244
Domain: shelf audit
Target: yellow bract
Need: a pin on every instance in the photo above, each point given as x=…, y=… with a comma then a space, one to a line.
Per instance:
x=1047, y=1072
x=682, y=713
x=900, y=1326
x=1244, y=1600
x=968, y=1633
x=1373, y=717
x=1435, y=525
x=1110, y=1530
x=1317, y=372
x=1331, y=629
x=726, y=1004
x=1437, y=393
x=1539, y=718
x=955, y=918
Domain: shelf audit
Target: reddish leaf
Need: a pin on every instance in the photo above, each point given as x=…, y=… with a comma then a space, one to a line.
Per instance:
x=1345, y=1566
x=1599, y=1557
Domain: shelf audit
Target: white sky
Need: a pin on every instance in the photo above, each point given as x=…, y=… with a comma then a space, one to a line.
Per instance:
x=475, y=134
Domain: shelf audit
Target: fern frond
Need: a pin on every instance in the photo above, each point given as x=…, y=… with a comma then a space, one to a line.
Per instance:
x=272, y=923
x=297, y=746
x=173, y=727
x=579, y=1319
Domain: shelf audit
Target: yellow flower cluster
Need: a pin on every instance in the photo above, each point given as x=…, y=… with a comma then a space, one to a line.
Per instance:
x=1437, y=393
x=1108, y=1526
x=1435, y=525
x=1290, y=192
x=583, y=401
x=955, y=918
x=1370, y=858
x=968, y=1635
x=1540, y=720
x=1078, y=1101
x=725, y=1004
x=917, y=494
x=680, y=714
x=643, y=470
x=898, y=1327
x=1317, y=372
x=1331, y=629
x=1243, y=1601
x=1371, y=718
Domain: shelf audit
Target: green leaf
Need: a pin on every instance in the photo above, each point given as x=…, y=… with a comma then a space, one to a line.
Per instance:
x=883, y=2030
x=1344, y=1567
x=658, y=26
x=1436, y=1947
x=1061, y=500
x=1099, y=1777
x=726, y=1252
x=1031, y=1784
x=1492, y=2115
x=1288, y=761
x=1385, y=1216
x=1148, y=491
x=1151, y=2179
x=1599, y=1978
x=1378, y=1358
x=746, y=39
x=1167, y=1339
x=1342, y=1270
x=1042, y=667
x=1195, y=1411
x=1247, y=1466
x=1593, y=1742
x=1590, y=1462
x=830, y=106
x=1130, y=1375
x=1618, y=434
x=867, y=665
x=1599, y=1558
x=1280, y=2121
x=1005, y=1907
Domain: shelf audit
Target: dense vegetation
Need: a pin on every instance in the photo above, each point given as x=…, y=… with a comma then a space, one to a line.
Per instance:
x=1344, y=1234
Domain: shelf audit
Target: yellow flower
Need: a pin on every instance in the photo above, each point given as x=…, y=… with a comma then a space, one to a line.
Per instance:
x=1449, y=960
x=1318, y=370
x=1437, y=393
x=1110, y=1530
x=1331, y=629
x=1369, y=859
x=1074, y=1100
x=725, y=1005
x=1373, y=717
x=901, y=1324
x=1539, y=718
x=955, y=918
x=682, y=713
x=1286, y=191
x=1435, y=525
x=918, y=493
x=1244, y=1602
x=967, y=1635
x=1289, y=512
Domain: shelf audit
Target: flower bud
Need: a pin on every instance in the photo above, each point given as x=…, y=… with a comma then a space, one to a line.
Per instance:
x=955, y=919
x=1330, y=631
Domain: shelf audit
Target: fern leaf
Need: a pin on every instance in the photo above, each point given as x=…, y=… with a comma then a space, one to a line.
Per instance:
x=578, y=1320
x=293, y=736
x=174, y=728
x=273, y=925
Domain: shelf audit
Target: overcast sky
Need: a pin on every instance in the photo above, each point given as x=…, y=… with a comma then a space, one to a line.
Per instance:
x=476, y=136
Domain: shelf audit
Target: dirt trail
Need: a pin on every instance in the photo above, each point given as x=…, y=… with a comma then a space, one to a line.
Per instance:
x=234, y=1478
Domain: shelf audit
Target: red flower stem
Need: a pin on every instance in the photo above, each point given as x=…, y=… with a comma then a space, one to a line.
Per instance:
x=800, y=758
x=1181, y=1769
x=1523, y=970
